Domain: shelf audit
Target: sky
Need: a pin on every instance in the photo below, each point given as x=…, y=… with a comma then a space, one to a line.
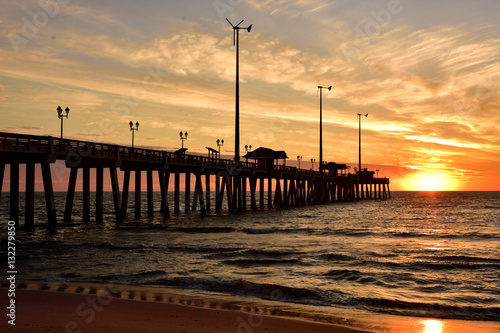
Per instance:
x=426, y=72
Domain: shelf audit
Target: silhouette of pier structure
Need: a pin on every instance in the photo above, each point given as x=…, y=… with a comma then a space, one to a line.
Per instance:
x=284, y=185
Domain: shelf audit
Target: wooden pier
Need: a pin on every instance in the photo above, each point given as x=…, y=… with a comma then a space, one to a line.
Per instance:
x=284, y=185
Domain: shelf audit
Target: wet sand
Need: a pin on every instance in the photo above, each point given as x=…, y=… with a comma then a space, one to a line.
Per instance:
x=48, y=311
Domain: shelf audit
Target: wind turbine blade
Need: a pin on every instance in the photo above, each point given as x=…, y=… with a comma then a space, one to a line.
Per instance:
x=229, y=22
x=240, y=23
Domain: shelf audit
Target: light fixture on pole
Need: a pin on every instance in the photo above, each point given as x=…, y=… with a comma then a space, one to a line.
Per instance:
x=321, y=125
x=62, y=116
x=131, y=124
x=183, y=136
x=248, y=149
x=312, y=163
x=299, y=158
x=377, y=172
x=236, y=29
x=220, y=143
x=359, y=160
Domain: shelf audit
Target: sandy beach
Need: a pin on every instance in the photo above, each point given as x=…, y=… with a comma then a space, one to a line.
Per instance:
x=49, y=311
x=76, y=308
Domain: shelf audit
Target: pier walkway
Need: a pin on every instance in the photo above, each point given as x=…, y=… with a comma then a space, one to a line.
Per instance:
x=285, y=185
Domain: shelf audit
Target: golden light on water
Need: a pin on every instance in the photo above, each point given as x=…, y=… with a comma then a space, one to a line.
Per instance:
x=431, y=182
x=432, y=326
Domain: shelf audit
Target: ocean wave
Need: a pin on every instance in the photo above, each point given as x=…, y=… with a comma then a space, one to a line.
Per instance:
x=254, y=231
x=431, y=310
x=336, y=257
x=260, y=262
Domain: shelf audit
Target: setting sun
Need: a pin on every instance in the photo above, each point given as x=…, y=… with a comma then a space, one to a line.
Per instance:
x=430, y=182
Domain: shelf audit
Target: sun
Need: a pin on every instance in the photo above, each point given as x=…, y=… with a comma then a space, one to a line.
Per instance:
x=430, y=182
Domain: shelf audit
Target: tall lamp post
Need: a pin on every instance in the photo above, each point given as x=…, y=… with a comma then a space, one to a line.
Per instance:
x=62, y=116
x=299, y=158
x=133, y=129
x=183, y=136
x=359, y=160
x=312, y=163
x=220, y=143
x=321, y=125
x=236, y=30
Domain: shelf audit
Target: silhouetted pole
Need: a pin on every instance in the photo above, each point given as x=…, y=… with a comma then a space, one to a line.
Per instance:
x=321, y=126
x=359, y=160
x=236, y=30
x=62, y=116
x=131, y=124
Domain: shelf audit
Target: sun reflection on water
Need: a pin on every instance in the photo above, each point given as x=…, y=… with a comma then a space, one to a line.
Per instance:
x=432, y=326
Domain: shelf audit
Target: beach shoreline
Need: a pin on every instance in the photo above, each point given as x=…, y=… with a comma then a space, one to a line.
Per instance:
x=84, y=307
x=54, y=311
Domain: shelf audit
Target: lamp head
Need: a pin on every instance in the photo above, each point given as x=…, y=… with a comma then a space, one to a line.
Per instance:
x=218, y=142
x=180, y=134
x=59, y=110
x=131, y=124
x=222, y=142
x=67, y=111
x=137, y=125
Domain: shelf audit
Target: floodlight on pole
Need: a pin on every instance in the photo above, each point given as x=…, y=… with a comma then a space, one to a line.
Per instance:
x=321, y=125
x=236, y=29
x=359, y=160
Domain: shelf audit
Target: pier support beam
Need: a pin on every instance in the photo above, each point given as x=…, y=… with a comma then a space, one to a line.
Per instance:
x=164, y=179
x=176, y=193
x=187, y=192
x=116, y=194
x=261, y=192
x=99, y=195
x=14, y=193
x=149, y=174
x=207, y=192
x=126, y=185
x=86, y=194
x=253, y=188
x=218, y=189
x=29, y=206
x=70, y=195
x=2, y=172
x=49, y=195
x=137, y=193
x=269, y=193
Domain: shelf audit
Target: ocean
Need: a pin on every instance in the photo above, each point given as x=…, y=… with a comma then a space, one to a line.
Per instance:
x=422, y=254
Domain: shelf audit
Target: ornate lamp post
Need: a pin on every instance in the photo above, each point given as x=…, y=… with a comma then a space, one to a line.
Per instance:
x=132, y=129
x=183, y=136
x=62, y=116
x=312, y=163
x=248, y=149
x=220, y=143
x=299, y=158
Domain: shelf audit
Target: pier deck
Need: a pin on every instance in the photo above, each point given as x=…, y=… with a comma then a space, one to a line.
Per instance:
x=285, y=185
